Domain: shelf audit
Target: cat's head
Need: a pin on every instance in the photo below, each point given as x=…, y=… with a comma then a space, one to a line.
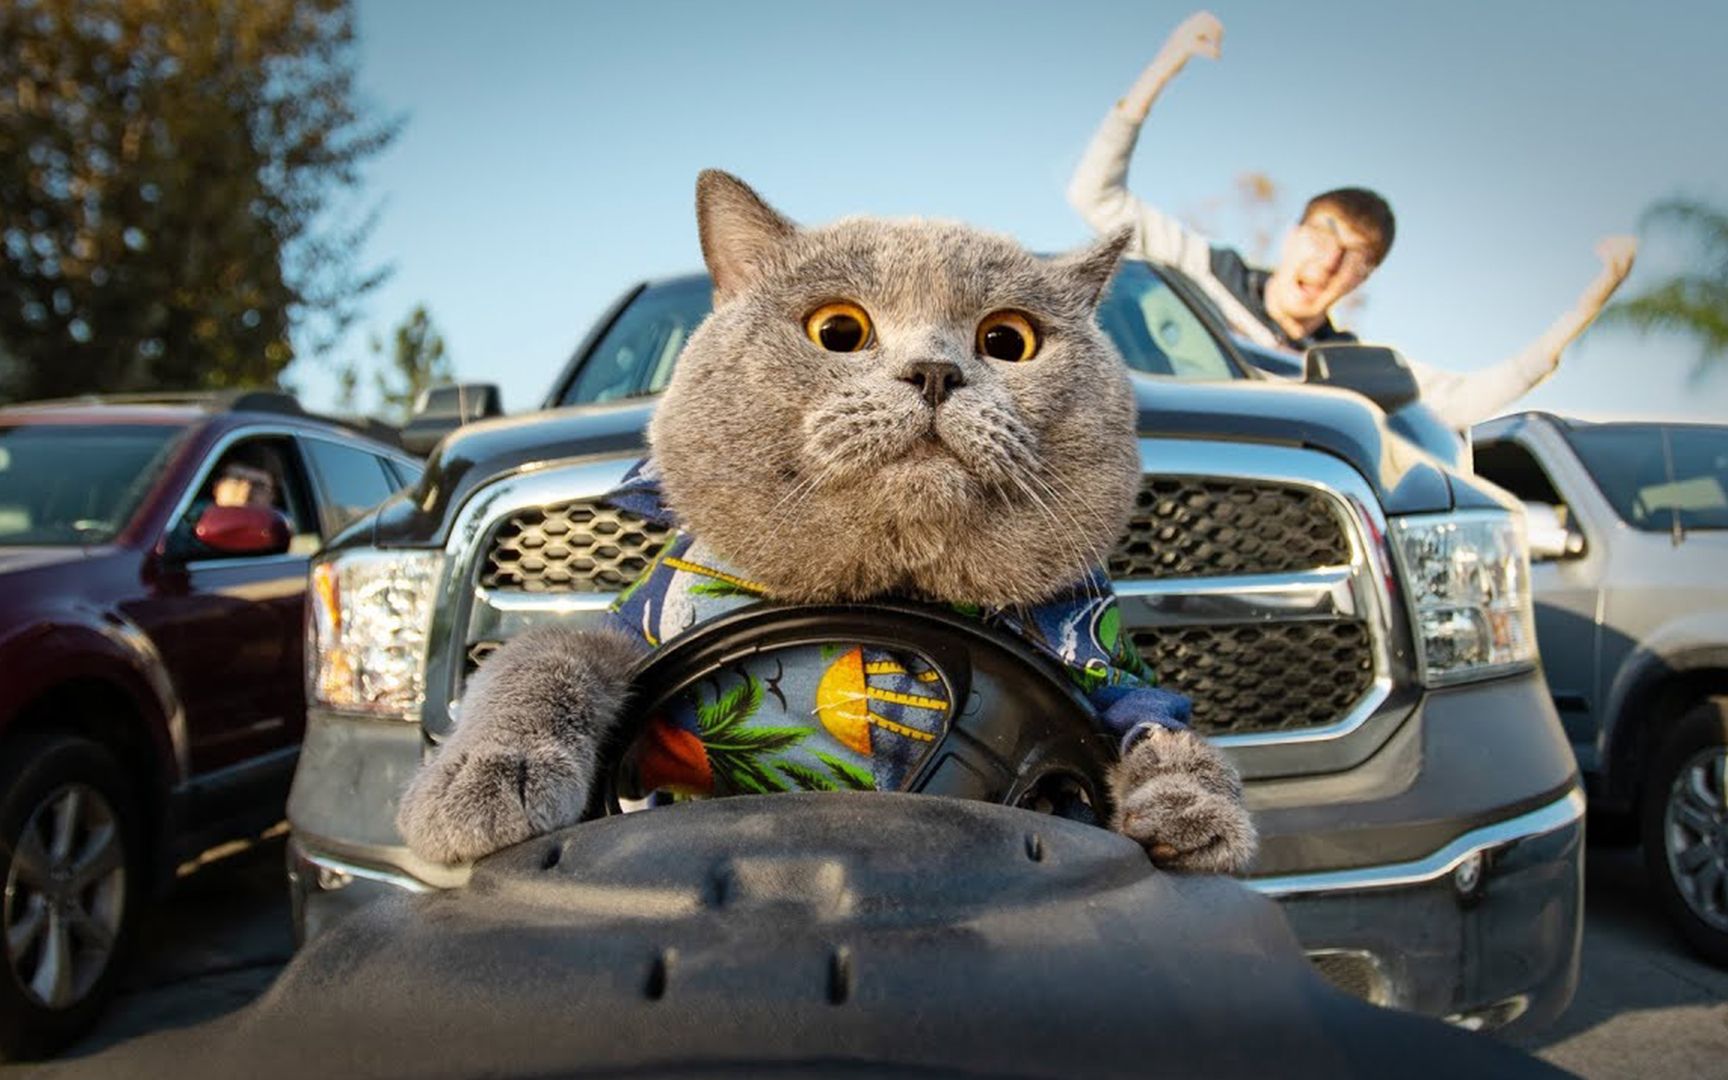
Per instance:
x=911, y=408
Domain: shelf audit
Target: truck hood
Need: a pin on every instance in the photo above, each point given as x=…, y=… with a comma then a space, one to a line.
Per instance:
x=1334, y=421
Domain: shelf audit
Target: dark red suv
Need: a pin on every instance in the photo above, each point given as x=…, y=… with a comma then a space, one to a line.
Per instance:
x=153, y=558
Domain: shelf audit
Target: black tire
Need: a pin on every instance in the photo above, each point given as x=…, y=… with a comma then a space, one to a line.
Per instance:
x=77, y=911
x=1685, y=828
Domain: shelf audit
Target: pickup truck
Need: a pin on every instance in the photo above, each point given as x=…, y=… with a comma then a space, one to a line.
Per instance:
x=1629, y=538
x=1349, y=611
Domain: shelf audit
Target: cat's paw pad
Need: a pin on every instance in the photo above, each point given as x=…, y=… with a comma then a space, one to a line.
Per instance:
x=1185, y=827
x=1181, y=800
x=466, y=804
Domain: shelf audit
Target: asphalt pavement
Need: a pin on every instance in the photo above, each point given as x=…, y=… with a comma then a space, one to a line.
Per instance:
x=1646, y=1007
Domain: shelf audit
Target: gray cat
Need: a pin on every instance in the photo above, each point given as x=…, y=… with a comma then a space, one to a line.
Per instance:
x=874, y=409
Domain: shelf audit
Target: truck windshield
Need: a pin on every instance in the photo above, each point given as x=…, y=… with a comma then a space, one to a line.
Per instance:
x=1152, y=326
x=66, y=484
x=1654, y=473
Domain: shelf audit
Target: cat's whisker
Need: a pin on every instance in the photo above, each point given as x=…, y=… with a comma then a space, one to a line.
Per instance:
x=1073, y=538
x=1063, y=536
x=1070, y=492
x=802, y=488
x=1066, y=493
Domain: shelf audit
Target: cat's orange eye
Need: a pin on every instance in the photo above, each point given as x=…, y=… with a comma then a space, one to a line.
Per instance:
x=839, y=327
x=1007, y=335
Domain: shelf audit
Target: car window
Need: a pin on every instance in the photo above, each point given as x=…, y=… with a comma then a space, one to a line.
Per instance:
x=1514, y=468
x=636, y=354
x=67, y=484
x=407, y=475
x=263, y=470
x=352, y=480
x=1151, y=324
x=1655, y=475
x=1156, y=331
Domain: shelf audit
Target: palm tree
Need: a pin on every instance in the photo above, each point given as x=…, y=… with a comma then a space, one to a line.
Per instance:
x=1693, y=304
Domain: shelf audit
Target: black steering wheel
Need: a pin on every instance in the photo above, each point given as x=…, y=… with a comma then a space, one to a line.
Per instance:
x=1018, y=731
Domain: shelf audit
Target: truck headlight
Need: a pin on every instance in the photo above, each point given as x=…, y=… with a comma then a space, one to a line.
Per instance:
x=1468, y=576
x=367, y=620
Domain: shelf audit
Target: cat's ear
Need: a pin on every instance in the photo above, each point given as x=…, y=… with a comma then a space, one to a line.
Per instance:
x=740, y=233
x=1090, y=268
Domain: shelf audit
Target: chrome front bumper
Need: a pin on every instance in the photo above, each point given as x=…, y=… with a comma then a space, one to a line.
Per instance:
x=1484, y=932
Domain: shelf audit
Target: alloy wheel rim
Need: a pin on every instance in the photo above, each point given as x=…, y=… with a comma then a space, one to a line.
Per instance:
x=65, y=896
x=1695, y=834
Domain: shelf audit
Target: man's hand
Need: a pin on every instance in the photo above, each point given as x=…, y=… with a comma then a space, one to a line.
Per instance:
x=1617, y=254
x=1200, y=34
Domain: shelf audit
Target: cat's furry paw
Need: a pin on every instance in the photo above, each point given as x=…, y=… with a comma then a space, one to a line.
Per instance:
x=1179, y=798
x=522, y=759
x=465, y=804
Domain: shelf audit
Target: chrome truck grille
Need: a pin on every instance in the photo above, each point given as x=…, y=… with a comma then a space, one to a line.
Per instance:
x=1200, y=527
x=579, y=546
x=1243, y=578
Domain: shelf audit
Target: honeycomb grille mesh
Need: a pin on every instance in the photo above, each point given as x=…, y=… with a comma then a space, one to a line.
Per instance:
x=579, y=546
x=1356, y=973
x=1263, y=676
x=1260, y=677
x=1187, y=527
x=1181, y=527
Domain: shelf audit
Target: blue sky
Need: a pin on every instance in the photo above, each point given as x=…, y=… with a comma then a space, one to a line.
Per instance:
x=551, y=151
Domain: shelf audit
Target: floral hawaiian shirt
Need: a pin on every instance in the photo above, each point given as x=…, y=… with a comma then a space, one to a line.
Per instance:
x=842, y=715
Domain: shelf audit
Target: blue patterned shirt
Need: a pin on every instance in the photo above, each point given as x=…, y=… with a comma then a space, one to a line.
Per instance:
x=847, y=715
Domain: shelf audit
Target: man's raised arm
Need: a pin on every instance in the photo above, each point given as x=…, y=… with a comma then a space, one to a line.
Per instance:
x=1099, y=190
x=1463, y=399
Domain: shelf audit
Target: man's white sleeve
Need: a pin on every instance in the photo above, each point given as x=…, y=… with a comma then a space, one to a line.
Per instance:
x=1464, y=399
x=1099, y=191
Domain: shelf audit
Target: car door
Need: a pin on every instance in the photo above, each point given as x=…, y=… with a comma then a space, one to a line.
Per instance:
x=230, y=628
x=1568, y=591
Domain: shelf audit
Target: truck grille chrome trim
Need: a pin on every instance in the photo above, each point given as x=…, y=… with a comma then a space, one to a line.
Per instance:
x=1322, y=594
x=1252, y=577
x=1297, y=656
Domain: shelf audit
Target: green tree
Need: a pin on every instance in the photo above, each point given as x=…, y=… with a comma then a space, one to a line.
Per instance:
x=348, y=386
x=1691, y=304
x=177, y=180
x=416, y=361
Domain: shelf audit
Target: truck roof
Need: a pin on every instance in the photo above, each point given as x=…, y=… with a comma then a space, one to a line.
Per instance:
x=1501, y=424
x=180, y=409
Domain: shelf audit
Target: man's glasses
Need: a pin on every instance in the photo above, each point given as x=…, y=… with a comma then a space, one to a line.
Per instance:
x=1325, y=231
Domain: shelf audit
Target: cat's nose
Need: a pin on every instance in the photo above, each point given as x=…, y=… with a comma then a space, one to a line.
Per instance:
x=935, y=379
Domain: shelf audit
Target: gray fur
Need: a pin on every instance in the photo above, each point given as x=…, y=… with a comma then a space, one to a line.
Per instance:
x=828, y=477
x=1182, y=800
x=739, y=232
x=521, y=761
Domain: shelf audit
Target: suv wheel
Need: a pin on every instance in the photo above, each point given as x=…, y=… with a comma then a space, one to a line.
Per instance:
x=1685, y=823
x=68, y=858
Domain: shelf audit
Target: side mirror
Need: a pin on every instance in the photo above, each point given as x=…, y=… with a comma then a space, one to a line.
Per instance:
x=243, y=530
x=1550, y=540
x=443, y=409
x=1374, y=371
